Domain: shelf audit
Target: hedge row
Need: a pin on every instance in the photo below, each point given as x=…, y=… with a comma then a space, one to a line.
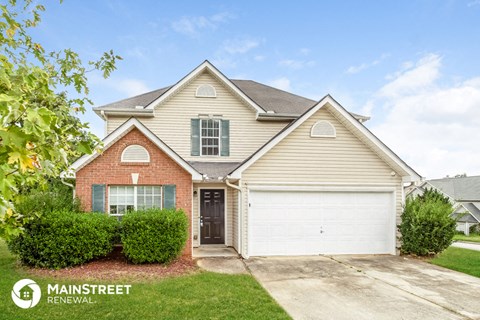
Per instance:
x=62, y=238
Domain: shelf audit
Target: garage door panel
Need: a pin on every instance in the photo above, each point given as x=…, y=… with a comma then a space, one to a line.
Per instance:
x=302, y=223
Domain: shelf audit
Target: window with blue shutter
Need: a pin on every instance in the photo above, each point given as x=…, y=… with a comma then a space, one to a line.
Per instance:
x=169, y=196
x=225, y=138
x=98, y=198
x=210, y=137
x=195, y=137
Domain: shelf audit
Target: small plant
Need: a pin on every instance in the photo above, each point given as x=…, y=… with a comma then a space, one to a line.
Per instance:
x=427, y=226
x=62, y=239
x=154, y=235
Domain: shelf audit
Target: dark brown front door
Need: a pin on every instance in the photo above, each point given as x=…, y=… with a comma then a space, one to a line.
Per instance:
x=212, y=216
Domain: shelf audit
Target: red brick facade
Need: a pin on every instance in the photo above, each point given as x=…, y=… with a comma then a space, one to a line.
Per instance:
x=109, y=170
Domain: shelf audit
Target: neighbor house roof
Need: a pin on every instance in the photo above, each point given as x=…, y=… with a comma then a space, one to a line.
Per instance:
x=459, y=189
x=471, y=207
x=265, y=97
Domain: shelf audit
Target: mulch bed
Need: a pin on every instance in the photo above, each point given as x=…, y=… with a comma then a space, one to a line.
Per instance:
x=115, y=267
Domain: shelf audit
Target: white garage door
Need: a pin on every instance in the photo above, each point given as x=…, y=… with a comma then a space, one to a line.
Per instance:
x=308, y=223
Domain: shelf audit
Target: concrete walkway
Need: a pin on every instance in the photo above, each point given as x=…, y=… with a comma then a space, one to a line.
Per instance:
x=467, y=245
x=229, y=265
x=367, y=287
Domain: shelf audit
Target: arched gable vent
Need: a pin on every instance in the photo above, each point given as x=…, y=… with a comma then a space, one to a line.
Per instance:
x=135, y=153
x=206, y=91
x=323, y=129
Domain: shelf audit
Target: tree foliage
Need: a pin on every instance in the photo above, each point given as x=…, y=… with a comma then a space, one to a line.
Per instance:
x=427, y=226
x=40, y=129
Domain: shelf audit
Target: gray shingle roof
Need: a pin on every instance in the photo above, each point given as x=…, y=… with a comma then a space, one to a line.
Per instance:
x=473, y=208
x=214, y=169
x=460, y=189
x=141, y=100
x=268, y=98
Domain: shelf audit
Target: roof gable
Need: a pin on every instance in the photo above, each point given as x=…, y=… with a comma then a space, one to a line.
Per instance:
x=121, y=131
x=205, y=66
x=360, y=131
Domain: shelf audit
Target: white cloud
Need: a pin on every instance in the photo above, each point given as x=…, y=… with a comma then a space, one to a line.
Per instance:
x=433, y=127
x=192, y=26
x=282, y=83
x=128, y=87
x=239, y=45
x=473, y=3
x=259, y=58
x=365, y=65
x=296, y=64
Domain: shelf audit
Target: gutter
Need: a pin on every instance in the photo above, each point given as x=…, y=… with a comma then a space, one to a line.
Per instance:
x=124, y=112
x=277, y=116
x=240, y=213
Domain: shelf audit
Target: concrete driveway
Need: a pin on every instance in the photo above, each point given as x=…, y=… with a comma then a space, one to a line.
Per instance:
x=467, y=245
x=367, y=287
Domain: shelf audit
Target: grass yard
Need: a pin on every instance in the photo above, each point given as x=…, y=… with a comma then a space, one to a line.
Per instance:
x=203, y=295
x=463, y=260
x=471, y=238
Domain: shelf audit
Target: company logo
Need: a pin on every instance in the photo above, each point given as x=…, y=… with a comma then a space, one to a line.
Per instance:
x=26, y=293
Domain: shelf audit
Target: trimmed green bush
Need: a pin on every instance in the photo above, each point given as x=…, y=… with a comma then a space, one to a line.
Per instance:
x=427, y=227
x=62, y=239
x=154, y=235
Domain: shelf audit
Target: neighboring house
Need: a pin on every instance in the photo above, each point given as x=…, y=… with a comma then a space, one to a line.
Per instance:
x=255, y=168
x=463, y=193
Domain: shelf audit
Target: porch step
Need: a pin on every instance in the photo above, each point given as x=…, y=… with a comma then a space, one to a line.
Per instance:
x=213, y=250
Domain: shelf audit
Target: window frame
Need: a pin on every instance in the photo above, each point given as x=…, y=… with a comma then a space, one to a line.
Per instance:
x=218, y=138
x=135, y=198
x=126, y=149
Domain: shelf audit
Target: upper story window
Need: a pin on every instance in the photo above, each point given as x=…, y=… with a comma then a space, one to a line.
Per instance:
x=206, y=91
x=135, y=153
x=323, y=129
x=210, y=137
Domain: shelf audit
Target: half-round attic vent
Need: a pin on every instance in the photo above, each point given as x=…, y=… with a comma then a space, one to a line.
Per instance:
x=135, y=153
x=206, y=91
x=323, y=129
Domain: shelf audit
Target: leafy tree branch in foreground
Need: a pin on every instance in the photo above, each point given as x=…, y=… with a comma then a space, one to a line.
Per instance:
x=40, y=130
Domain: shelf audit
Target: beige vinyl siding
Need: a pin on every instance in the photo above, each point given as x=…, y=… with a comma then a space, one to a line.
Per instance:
x=300, y=159
x=172, y=121
x=230, y=205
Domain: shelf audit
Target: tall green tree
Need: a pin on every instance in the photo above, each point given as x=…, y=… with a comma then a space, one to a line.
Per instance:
x=41, y=95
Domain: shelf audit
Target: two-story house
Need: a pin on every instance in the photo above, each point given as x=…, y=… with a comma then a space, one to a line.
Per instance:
x=255, y=168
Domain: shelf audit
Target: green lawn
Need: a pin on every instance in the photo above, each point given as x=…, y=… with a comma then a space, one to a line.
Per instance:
x=471, y=238
x=203, y=295
x=463, y=260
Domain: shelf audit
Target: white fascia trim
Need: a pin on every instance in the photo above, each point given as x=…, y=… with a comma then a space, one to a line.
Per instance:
x=310, y=188
x=126, y=126
x=327, y=99
x=206, y=65
x=379, y=144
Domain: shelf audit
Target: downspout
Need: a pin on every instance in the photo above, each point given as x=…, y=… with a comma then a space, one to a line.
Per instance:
x=105, y=126
x=240, y=212
x=69, y=185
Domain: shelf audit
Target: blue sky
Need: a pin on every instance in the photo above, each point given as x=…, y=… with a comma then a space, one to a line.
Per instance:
x=413, y=66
